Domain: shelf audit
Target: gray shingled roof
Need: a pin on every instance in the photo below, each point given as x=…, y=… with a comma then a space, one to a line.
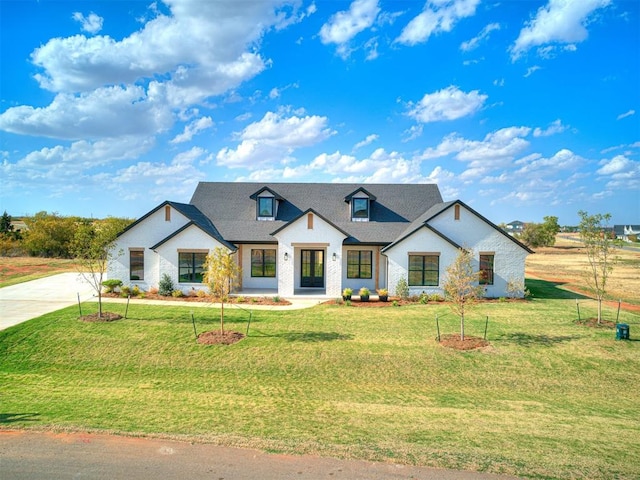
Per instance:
x=230, y=207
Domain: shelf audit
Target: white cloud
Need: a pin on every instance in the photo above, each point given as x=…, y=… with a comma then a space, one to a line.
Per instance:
x=192, y=129
x=91, y=24
x=437, y=16
x=539, y=166
x=103, y=113
x=618, y=164
x=447, y=104
x=343, y=26
x=483, y=35
x=626, y=114
x=370, y=139
x=273, y=139
x=498, y=82
x=213, y=38
x=560, y=21
x=531, y=70
x=554, y=128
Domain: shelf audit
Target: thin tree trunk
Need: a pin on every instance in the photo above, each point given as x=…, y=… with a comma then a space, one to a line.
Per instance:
x=599, y=310
x=222, y=317
x=462, y=327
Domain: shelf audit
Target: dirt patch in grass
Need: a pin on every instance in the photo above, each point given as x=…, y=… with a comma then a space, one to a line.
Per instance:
x=105, y=317
x=469, y=343
x=215, y=337
x=593, y=323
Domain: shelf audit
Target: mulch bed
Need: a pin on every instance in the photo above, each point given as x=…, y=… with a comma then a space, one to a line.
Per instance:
x=106, y=317
x=593, y=323
x=207, y=299
x=215, y=338
x=469, y=343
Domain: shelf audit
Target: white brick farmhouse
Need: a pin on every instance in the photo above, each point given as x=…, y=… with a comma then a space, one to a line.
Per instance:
x=299, y=238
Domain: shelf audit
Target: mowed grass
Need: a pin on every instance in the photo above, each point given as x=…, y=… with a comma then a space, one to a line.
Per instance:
x=548, y=399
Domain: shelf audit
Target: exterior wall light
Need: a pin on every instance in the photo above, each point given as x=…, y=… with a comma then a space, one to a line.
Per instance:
x=334, y=256
x=286, y=256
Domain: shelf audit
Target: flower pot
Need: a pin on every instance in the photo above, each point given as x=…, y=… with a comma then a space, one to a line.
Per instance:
x=364, y=298
x=346, y=297
x=383, y=298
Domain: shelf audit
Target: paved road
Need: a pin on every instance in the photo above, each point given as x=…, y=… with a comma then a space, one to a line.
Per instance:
x=22, y=302
x=40, y=456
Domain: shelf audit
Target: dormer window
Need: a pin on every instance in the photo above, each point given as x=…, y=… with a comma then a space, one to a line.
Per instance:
x=360, y=204
x=267, y=202
x=360, y=209
x=266, y=207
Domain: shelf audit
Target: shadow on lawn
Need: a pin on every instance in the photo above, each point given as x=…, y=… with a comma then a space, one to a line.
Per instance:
x=18, y=417
x=308, y=337
x=551, y=290
x=529, y=340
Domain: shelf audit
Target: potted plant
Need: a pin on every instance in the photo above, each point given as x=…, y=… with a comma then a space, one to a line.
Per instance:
x=383, y=294
x=346, y=294
x=364, y=294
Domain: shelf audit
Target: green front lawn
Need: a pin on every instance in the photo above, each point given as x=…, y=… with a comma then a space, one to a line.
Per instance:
x=547, y=399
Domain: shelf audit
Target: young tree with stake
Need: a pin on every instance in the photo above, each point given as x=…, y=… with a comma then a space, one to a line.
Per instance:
x=461, y=286
x=221, y=274
x=599, y=246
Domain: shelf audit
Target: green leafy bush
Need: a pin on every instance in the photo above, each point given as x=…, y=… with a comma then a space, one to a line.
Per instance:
x=402, y=289
x=177, y=293
x=165, y=287
x=111, y=284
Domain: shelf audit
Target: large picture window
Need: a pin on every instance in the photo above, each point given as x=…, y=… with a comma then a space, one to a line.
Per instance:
x=486, y=269
x=191, y=267
x=136, y=265
x=424, y=270
x=359, y=263
x=263, y=263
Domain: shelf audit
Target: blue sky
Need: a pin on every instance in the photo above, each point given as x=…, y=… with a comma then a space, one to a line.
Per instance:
x=519, y=108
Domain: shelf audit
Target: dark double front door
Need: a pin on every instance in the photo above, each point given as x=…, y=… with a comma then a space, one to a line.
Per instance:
x=312, y=271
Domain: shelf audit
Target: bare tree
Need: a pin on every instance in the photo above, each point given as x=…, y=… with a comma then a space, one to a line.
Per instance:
x=594, y=233
x=221, y=274
x=461, y=286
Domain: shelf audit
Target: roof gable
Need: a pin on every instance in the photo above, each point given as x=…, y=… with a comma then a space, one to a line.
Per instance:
x=371, y=196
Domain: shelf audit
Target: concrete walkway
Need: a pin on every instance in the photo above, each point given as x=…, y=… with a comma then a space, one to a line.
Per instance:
x=22, y=302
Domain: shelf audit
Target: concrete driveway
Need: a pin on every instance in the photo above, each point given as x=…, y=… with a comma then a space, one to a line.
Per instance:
x=22, y=302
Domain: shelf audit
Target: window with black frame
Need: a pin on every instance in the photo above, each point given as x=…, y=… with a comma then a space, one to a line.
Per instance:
x=359, y=264
x=263, y=262
x=191, y=267
x=424, y=270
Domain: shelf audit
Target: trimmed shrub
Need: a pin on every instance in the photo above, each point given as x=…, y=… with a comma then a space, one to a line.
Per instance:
x=165, y=287
x=177, y=294
x=111, y=284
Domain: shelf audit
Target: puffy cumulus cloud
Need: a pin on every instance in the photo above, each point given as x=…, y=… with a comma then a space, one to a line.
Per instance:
x=560, y=21
x=540, y=167
x=621, y=172
x=103, y=113
x=91, y=23
x=437, y=16
x=55, y=169
x=157, y=180
x=192, y=129
x=496, y=150
x=447, y=104
x=482, y=36
x=554, y=128
x=208, y=36
x=343, y=26
x=273, y=139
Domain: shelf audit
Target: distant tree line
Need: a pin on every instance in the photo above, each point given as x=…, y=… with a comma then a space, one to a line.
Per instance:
x=49, y=234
